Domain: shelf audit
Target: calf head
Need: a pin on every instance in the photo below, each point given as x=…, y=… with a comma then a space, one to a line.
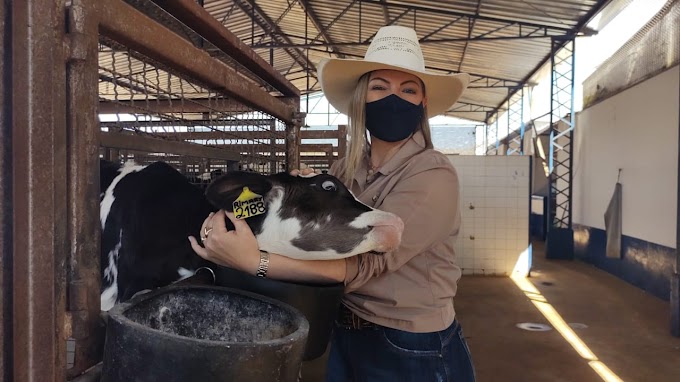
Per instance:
x=314, y=218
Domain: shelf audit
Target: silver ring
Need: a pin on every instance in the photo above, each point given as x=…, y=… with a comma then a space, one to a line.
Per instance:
x=209, y=270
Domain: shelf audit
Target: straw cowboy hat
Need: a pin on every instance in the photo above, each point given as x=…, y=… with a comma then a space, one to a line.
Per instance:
x=393, y=47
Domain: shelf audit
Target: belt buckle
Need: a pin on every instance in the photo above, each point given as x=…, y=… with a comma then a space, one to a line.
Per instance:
x=348, y=320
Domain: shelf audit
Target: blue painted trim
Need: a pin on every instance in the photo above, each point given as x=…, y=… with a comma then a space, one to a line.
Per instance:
x=646, y=265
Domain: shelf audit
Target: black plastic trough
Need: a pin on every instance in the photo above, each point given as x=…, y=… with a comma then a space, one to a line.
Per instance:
x=200, y=333
x=319, y=303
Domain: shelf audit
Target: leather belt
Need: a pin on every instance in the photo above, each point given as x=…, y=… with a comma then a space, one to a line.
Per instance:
x=348, y=320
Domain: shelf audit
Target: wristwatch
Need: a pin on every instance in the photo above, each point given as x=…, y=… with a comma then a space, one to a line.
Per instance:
x=264, y=265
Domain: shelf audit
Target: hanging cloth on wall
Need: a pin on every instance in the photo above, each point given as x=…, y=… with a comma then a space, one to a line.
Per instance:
x=613, y=222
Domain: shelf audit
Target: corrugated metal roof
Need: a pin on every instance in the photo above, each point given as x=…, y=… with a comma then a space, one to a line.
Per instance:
x=351, y=24
x=475, y=36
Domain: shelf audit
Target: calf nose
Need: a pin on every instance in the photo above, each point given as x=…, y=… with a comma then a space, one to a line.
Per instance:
x=387, y=230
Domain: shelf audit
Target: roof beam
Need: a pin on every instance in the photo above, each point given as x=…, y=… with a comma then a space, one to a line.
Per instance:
x=267, y=24
x=480, y=82
x=317, y=24
x=463, y=14
x=198, y=19
x=524, y=35
x=466, y=107
x=386, y=12
x=471, y=27
x=341, y=14
x=580, y=25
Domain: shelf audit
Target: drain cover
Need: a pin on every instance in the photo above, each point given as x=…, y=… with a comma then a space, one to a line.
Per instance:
x=578, y=325
x=534, y=327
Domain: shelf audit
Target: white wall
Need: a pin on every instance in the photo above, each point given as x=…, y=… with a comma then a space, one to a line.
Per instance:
x=637, y=131
x=494, y=236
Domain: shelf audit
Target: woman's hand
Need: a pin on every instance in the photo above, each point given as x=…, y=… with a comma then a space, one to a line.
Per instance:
x=305, y=171
x=235, y=249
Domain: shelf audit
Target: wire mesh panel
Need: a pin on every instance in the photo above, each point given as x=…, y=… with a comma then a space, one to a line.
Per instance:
x=142, y=98
x=655, y=48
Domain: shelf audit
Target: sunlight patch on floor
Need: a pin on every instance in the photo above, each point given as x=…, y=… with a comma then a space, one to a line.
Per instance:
x=549, y=312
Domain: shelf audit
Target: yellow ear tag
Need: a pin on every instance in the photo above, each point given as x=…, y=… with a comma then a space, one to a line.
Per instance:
x=248, y=204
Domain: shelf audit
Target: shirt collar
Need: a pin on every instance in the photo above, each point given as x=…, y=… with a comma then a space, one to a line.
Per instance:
x=414, y=145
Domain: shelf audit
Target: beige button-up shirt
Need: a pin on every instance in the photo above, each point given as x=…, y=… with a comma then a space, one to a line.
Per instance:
x=413, y=287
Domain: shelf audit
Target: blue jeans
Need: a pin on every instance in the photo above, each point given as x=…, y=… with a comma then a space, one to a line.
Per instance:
x=384, y=355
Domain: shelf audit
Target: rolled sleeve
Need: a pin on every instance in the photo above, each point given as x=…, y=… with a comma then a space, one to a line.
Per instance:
x=428, y=203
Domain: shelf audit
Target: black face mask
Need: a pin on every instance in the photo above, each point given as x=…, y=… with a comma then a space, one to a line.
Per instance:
x=393, y=119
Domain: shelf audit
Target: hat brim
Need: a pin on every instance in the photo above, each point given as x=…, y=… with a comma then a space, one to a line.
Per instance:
x=338, y=78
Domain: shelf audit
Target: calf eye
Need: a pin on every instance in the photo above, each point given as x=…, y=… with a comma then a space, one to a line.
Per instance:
x=329, y=186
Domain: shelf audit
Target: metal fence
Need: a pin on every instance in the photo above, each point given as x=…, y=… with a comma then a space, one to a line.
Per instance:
x=83, y=79
x=149, y=112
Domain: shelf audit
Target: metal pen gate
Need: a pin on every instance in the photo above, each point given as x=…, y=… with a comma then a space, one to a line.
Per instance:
x=122, y=80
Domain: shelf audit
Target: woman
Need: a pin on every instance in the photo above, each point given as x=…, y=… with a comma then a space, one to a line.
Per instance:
x=397, y=321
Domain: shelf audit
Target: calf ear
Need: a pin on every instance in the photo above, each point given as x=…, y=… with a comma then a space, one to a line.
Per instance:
x=224, y=190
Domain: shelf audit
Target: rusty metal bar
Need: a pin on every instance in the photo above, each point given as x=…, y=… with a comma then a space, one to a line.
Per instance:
x=5, y=199
x=125, y=25
x=342, y=141
x=266, y=148
x=292, y=147
x=40, y=245
x=195, y=17
x=83, y=186
x=235, y=134
x=318, y=158
x=146, y=144
x=196, y=105
x=258, y=122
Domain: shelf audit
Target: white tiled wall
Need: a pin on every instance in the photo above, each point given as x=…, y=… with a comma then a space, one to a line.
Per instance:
x=494, y=238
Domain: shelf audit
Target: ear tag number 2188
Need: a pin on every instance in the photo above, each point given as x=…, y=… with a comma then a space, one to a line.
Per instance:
x=248, y=204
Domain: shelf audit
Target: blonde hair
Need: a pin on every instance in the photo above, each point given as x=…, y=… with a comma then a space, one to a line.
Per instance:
x=358, y=145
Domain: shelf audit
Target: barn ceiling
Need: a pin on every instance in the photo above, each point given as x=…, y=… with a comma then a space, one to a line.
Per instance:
x=501, y=43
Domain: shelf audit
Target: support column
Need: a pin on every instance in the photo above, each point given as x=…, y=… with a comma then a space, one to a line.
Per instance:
x=292, y=147
x=516, y=123
x=492, y=135
x=675, y=277
x=560, y=240
x=39, y=237
x=83, y=186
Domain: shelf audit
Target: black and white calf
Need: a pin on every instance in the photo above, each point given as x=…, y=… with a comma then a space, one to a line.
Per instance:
x=147, y=213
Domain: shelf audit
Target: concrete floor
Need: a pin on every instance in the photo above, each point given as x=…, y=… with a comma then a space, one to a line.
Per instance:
x=627, y=329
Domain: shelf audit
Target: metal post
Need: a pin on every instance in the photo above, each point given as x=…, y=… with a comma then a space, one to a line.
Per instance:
x=675, y=277
x=292, y=146
x=342, y=141
x=83, y=185
x=40, y=202
x=560, y=240
x=498, y=141
x=516, y=123
x=5, y=198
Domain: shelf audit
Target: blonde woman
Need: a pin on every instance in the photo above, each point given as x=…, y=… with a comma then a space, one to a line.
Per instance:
x=397, y=321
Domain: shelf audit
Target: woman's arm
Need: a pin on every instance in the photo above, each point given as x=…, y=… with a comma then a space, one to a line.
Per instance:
x=238, y=249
